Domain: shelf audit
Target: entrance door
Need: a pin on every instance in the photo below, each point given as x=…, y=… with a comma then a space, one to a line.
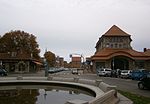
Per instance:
x=120, y=63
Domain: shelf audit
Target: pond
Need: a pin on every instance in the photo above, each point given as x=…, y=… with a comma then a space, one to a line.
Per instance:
x=41, y=94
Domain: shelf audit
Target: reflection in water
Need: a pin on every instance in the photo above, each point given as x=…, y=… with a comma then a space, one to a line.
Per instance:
x=18, y=96
x=44, y=95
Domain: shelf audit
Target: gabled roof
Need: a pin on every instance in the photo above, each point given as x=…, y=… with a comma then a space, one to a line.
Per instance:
x=109, y=53
x=115, y=31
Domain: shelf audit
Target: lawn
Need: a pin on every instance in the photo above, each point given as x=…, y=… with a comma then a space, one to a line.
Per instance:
x=137, y=99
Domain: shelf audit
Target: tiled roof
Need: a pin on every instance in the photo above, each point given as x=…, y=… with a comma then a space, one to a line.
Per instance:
x=18, y=56
x=108, y=53
x=115, y=31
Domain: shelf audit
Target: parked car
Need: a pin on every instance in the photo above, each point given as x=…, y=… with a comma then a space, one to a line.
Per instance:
x=144, y=82
x=125, y=74
x=138, y=74
x=52, y=70
x=74, y=71
x=104, y=72
x=3, y=72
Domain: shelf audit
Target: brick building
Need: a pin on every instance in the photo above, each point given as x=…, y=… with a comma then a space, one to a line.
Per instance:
x=59, y=61
x=76, y=62
x=19, y=62
x=113, y=50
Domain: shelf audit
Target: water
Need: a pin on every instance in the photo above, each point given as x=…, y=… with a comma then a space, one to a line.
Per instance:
x=41, y=95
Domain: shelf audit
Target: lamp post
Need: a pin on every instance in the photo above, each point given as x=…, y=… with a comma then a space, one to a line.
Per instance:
x=45, y=94
x=46, y=67
x=1, y=64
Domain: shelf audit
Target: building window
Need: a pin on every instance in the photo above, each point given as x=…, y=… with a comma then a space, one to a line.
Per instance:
x=124, y=45
x=116, y=45
x=107, y=45
x=13, y=54
x=120, y=45
x=121, y=40
x=111, y=45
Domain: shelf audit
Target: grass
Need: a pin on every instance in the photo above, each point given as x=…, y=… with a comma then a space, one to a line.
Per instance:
x=137, y=99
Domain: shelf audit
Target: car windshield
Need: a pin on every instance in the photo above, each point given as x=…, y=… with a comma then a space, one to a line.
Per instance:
x=145, y=71
x=108, y=69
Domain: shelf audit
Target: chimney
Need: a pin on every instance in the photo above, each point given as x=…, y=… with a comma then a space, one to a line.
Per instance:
x=145, y=49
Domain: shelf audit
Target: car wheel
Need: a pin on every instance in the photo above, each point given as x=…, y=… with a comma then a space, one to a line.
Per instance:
x=140, y=85
x=2, y=74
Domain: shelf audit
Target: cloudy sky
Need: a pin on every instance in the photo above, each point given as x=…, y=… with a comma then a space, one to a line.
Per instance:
x=74, y=26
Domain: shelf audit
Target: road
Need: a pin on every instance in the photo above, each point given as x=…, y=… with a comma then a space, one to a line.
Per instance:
x=126, y=85
x=122, y=84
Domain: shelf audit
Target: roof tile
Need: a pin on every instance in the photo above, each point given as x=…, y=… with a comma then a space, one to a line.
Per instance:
x=108, y=53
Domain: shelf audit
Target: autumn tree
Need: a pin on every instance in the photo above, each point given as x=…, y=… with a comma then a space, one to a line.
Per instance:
x=19, y=41
x=50, y=58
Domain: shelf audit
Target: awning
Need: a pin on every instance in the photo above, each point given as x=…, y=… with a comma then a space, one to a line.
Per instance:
x=38, y=63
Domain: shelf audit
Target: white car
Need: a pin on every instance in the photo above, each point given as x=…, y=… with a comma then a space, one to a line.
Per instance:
x=74, y=71
x=104, y=72
x=125, y=73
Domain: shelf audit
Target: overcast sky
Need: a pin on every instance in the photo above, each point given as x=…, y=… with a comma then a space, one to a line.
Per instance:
x=74, y=26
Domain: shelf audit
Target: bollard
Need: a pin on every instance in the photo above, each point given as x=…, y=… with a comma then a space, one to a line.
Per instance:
x=19, y=78
x=49, y=78
x=76, y=79
x=98, y=81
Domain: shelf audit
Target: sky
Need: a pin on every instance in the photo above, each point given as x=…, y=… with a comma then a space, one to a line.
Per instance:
x=67, y=27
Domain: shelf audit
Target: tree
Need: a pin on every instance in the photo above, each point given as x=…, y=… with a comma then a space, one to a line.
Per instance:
x=19, y=41
x=50, y=58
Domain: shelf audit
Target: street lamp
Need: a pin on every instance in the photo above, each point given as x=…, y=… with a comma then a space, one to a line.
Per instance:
x=46, y=67
x=1, y=64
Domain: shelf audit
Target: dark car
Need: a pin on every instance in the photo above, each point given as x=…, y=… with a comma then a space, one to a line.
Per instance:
x=138, y=74
x=144, y=82
x=3, y=72
x=114, y=73
x=52, y=70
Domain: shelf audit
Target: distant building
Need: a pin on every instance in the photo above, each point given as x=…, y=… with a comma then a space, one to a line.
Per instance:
x=76, y=61
x=59, y=61
x=113, y=50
